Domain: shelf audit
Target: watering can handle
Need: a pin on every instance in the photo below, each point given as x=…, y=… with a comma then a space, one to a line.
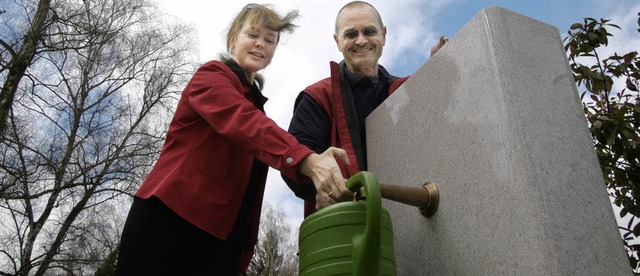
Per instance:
x=367, y=248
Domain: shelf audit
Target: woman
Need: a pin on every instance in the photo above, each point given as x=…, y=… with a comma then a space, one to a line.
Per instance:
x=198, y=211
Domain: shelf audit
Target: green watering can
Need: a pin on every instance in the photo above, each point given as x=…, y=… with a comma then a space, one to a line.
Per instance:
x=349, y=238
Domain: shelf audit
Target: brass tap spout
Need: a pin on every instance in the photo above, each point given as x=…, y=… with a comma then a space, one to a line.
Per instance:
x=425, y=197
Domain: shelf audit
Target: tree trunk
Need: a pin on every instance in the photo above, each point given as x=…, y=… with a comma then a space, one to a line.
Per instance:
x=21, y=61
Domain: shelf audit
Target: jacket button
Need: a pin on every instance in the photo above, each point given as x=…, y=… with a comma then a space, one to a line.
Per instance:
x=289, y=160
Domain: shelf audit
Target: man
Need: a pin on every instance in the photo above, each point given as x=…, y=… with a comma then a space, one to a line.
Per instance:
x=332, y=111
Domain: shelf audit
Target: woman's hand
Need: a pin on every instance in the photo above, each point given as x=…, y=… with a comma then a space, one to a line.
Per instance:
x=325, y=173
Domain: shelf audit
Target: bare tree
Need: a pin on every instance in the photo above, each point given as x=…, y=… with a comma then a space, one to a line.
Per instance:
x=86, y=125
x=275, y=253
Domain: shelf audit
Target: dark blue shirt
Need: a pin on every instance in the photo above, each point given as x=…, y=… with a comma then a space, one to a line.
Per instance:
x=368, y=93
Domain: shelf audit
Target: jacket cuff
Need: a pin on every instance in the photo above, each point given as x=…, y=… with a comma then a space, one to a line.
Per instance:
x=291, y=161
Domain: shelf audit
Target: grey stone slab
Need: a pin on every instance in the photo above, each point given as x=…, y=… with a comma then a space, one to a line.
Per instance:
x=494, y=118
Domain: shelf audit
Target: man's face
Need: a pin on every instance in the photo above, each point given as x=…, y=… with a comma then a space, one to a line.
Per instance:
x=360, y=38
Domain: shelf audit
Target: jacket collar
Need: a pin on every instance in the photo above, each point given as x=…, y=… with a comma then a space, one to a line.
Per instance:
x=258, y=98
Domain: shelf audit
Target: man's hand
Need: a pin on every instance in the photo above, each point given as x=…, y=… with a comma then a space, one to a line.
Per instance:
x=443, y=40
x=323, y=169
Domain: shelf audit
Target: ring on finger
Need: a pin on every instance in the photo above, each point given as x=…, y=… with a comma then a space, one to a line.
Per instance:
x=331, y=193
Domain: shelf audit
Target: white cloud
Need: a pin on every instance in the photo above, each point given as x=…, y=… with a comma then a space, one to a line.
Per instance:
x=625, y=40
x=628, y=38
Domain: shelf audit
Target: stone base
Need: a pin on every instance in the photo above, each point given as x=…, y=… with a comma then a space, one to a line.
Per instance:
x=494, y=118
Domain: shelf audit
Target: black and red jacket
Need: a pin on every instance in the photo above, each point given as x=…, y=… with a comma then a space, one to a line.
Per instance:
x=331, y=119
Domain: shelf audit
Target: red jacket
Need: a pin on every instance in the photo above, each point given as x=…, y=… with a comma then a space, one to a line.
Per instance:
x=327, y=93
x=203, y=170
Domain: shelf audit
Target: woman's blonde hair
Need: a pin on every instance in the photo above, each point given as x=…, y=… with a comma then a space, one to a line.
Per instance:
x=258, y=15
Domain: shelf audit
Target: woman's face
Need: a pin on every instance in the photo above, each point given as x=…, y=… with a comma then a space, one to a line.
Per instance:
x=254, y=48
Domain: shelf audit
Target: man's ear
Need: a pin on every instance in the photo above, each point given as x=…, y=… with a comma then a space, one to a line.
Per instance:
x=384, y=35
x=335, y=38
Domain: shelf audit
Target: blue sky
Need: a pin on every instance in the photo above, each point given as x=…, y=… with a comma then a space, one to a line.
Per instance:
x=452, y=16
x=413, y=27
